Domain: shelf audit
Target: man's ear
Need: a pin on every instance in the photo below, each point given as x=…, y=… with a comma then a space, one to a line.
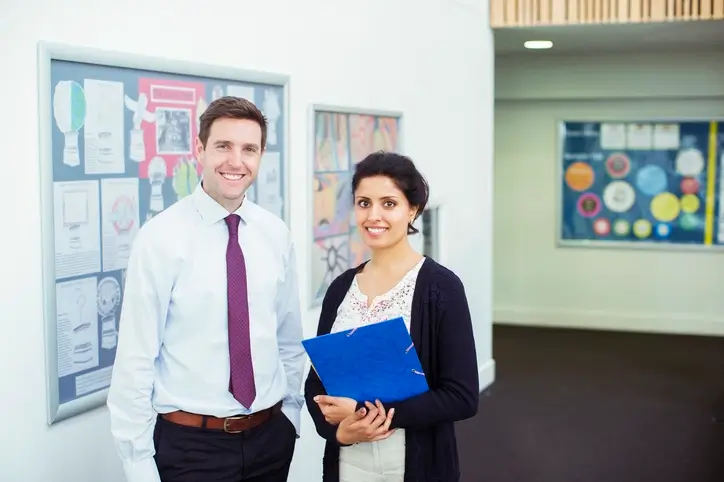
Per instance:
x=199, y=147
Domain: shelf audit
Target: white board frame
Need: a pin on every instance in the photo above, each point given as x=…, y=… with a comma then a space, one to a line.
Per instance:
x=48, y=52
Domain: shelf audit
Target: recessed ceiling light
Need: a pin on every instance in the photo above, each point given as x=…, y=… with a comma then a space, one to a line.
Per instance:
x=538, y=44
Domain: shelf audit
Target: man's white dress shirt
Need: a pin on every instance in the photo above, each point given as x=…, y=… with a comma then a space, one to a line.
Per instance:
x=173, y=351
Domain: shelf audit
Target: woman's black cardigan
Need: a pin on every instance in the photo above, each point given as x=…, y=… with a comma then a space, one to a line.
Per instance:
x=441, y=329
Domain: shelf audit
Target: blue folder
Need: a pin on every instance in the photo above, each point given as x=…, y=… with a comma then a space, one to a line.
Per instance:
x=373, y=362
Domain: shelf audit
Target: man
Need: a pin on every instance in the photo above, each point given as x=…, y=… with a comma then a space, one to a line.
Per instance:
x=208, y=372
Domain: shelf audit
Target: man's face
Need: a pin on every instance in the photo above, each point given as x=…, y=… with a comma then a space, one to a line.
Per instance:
x=230, y=160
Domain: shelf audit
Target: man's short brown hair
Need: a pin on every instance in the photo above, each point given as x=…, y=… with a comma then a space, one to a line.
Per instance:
x=231, y=108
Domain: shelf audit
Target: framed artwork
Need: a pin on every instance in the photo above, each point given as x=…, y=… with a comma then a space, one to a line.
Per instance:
x=641, y=184
x=341, y=138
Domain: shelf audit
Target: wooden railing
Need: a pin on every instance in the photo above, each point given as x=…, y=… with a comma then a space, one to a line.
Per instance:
x=529, y=13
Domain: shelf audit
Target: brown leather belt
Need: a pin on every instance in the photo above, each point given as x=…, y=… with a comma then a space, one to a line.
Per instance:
x=235, y=424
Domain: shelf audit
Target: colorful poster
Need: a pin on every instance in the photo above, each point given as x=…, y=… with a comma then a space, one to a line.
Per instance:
x=122, y=149
x=341, y=141
x=640, y=182
x=169, y=137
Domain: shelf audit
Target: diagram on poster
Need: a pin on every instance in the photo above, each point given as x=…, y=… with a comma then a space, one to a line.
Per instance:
x=119, y=201
x=103, y=129
x=77, y=228
x=140, y=114
x=69, y=108
x=77, y=326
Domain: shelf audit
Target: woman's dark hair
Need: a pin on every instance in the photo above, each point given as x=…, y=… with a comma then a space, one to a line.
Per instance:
x=403, y=173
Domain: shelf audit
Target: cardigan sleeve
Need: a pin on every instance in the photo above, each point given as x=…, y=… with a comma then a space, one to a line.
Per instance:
x=456, y=394
x=313, y=385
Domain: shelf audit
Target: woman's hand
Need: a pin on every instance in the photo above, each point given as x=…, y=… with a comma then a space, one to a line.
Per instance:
x=366, y=425
x=335, y=409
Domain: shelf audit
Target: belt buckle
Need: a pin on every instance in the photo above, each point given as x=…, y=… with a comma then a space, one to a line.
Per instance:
x=238, y=417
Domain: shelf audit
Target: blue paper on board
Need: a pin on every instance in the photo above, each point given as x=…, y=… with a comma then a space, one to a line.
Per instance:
x=376, y=361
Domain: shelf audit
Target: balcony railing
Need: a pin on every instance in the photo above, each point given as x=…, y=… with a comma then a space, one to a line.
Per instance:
x=530, y=13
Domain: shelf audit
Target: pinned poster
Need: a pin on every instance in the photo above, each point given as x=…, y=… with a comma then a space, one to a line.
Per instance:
x=140, y=114
x=69, y=108
x=641, y=183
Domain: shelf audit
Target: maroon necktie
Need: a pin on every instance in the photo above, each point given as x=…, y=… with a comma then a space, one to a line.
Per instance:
x=242, y=370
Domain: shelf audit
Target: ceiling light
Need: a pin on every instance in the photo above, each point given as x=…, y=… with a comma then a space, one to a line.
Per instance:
x=538, y=44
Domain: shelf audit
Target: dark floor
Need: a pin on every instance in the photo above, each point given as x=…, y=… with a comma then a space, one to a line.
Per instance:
x=570, y=406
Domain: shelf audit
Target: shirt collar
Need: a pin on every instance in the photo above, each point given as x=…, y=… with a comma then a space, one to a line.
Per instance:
x=212, y=212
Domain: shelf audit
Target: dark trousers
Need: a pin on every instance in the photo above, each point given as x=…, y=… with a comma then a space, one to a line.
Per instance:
x=189, y=454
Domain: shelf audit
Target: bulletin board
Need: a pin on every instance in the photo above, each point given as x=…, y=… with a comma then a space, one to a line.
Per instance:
x=342, y=137
x=641, y=184
x=117, y=135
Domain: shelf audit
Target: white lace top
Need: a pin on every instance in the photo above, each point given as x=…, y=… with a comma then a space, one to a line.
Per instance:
x=353, y=311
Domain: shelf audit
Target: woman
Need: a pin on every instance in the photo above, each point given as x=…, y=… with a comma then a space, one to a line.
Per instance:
x=412, y=440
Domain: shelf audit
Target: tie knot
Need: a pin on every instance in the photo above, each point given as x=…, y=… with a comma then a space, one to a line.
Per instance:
x=232, y=221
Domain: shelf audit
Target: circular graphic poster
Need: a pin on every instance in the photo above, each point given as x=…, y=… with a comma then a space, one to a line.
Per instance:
x=642, y=228
x=690, y=162
x=690, y=203
x=619, y=196
x=602, y=226
x=579, y=176
x=665, y=207
x=651, y=180
x=589, y=205
x=689, y=185
x=618, y=165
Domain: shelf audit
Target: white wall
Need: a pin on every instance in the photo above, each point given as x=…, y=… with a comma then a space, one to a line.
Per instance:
x=437, y=69
x=535, y=283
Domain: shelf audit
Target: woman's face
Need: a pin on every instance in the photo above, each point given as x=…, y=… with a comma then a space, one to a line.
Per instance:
x=382, y=212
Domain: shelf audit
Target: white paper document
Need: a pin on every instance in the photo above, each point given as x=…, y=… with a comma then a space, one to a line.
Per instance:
x=121, y=220
x=77, y=228
x=69, y=113
x=269, y=183
x=640, y=136
x=666, y=136
x=77, y=325
x=613, y=136
x=104, y=136
x=140, y=114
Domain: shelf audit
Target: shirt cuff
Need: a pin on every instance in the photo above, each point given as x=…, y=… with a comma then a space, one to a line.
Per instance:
x=143, y=470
